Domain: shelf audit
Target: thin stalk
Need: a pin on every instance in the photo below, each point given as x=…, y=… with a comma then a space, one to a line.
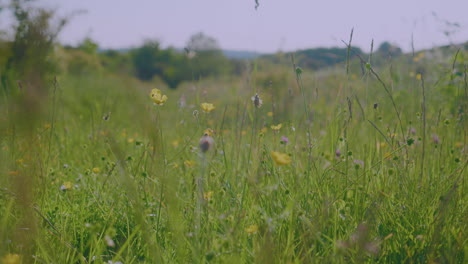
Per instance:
x=423, y=129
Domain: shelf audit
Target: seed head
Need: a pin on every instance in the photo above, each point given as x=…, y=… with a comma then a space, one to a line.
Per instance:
x=257, y=101
x=206, y=142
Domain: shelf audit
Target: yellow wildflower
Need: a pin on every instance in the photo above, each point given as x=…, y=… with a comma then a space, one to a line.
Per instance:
x=157, y=97
x=175, y=165
x=280, y=158
x=252, y=229
x=209, y=132
x=96, y=170
x=264, y=130
x=418, y=76
x=458, y=144
x=270, y=114
x=207, y=107
x=11, y=259
x=277, y=127
x=66, y=186
x=175, y=143
x=208, y=195
x=189, y=163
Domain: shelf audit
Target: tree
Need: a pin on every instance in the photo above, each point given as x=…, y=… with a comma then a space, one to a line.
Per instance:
x=34, y=39
x=209, y=59
x=388, y=49
x=201, y=42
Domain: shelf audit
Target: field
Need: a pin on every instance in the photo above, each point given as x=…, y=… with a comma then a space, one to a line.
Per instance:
x=347, y=164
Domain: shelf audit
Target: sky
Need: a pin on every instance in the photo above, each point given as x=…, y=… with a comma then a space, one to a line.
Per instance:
x=277, y=25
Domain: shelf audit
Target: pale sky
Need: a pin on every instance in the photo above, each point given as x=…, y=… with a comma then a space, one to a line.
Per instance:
x=285, y=25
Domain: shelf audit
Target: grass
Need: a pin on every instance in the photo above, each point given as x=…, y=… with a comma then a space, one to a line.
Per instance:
x=98, y=174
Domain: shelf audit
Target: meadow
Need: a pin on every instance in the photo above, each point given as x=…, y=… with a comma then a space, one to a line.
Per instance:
x=349, y=164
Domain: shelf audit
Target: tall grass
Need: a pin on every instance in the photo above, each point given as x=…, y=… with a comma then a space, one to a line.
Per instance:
x=101, y=174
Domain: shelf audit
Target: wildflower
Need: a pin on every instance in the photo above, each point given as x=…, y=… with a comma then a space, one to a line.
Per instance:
x=418, y=76
x=206, y=142
x=458, y=144
x=182, y=101
x=270, y=114
x=11, y=259
x=277, y=127
x=109, y=241
x=207, y=107
x=209, y=132
x=157, y=97
x=284, y=140
x=257, y=101
x=96, y=170
x=189, y=163
x=280, y=158
x=106, y=116
x=66, y=186
x=338, y=153
x=435, y=139
x=252, y=229
x=208, y=195
x=264, y=130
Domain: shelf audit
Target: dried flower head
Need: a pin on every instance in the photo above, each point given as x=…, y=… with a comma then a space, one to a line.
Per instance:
x=206, y=141
x=257, y=101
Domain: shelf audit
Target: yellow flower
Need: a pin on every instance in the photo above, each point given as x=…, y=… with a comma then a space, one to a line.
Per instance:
x=418, y=76
x=207, y=107
x=277, y=127
x=458, y=144
x=175, y=143
x=189, y=163
x=264, y=130
x=96, y=170
x=208, y=132
x=66, y=186
x=270, y=114
x=280, y=158
x=11, y=259
x=157, y=97
x=208, y=195
x=252, y=229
